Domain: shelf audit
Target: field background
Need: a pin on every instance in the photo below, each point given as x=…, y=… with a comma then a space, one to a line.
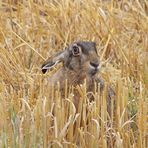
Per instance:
x=31, y=31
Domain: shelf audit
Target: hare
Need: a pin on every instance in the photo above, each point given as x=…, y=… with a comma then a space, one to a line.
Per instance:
x=80, y=62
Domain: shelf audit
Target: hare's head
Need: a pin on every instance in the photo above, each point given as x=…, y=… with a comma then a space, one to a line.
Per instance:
x=78, y=57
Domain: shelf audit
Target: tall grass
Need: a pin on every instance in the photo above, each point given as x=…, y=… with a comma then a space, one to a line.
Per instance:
x=31, y=31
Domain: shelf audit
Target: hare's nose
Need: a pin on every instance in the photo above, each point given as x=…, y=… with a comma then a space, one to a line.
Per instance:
x=94, y=64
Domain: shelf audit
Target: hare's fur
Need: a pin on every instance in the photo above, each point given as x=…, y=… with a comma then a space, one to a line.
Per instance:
x=80, y=63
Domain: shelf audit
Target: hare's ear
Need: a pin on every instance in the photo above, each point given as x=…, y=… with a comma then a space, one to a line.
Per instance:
x=52, y=61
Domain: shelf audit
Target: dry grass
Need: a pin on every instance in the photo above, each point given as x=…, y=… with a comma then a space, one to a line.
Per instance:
x=30, y=31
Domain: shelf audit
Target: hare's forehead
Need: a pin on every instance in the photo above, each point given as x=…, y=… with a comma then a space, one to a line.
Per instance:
x=87, y=47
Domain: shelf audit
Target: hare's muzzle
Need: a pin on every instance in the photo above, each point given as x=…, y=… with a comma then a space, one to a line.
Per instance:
x=94, y=67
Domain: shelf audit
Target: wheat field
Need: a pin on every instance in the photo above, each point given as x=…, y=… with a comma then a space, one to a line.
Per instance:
x=33, y=30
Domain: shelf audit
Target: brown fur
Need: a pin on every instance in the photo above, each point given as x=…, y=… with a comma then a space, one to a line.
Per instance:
x=78, y=66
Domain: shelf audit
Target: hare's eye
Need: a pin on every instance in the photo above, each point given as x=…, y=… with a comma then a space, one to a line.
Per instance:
x=76, y=51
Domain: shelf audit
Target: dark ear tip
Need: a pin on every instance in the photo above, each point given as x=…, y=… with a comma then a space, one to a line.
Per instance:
x=44, y=71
